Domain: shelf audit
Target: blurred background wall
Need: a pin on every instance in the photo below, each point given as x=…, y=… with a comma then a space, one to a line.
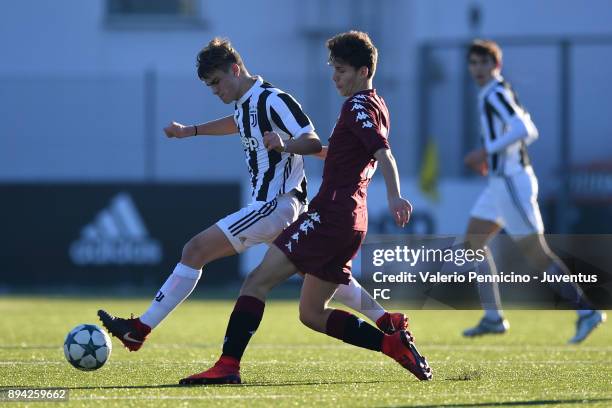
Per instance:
x=85, y=81
x=87, y=86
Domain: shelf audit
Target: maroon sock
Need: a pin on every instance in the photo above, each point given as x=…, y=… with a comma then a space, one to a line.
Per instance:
x=242, y=324
x=352, y=330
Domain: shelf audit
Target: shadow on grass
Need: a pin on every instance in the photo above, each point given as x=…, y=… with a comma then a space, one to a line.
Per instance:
x=244, y=385
x=466, y=375
x=516, y=403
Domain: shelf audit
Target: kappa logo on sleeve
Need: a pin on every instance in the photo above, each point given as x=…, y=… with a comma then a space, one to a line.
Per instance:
x=362, y=116
x=315, y=217
x=307, y=224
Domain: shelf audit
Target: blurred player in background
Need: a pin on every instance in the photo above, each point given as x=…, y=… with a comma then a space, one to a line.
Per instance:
x=323, y=240
x=510, y=199
x=262, y=114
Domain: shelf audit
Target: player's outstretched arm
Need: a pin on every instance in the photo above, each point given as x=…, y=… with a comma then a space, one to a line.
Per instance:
x=400, y=208
x=306, y=143
x=322, y=154
x=218, y=127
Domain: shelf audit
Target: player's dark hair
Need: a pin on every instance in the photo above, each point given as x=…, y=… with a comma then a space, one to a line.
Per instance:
x=217, y=55
x=354, y=48
x=486, y=48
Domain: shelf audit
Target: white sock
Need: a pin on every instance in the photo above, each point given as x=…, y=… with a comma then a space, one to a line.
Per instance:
x=489, y=291
x=358, y=299
x=177, y=287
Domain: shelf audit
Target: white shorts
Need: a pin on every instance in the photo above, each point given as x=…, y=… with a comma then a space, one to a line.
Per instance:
x=260, y=222
x=512, y=203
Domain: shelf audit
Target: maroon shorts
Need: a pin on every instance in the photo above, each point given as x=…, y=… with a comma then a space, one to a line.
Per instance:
x=320, y=248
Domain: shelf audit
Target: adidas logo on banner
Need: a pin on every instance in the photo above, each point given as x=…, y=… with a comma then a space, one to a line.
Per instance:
x=117, y=236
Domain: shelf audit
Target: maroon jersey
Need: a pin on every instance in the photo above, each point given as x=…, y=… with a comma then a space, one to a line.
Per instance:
x=360, y=131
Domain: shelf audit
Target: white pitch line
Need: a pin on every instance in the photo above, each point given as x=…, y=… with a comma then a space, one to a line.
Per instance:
x=184, y=397
x=522, y=347
x=322, y=362
x=319, y=396
x=319, y=362
x=30, y=362
x=465, y=347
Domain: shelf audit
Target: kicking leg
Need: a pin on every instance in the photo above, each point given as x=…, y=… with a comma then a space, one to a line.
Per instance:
x=357, y=298
x=245, y=318
x=205, y=247
x=347, y=327
x=541, y=257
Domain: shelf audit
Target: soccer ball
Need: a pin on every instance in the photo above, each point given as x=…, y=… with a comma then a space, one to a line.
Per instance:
x=87, y=347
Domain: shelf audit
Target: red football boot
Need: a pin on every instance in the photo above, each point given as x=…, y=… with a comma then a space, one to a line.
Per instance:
x=225, y=371
x=392, y=322
x=400, y=347
x=131, y=332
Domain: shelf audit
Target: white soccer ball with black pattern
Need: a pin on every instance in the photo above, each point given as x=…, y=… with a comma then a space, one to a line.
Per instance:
x=87, y=347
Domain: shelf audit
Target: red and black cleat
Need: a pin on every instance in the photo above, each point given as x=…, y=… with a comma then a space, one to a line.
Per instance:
x=389, y=323
x=225, y=371
x=400, y=347
x=131, y=332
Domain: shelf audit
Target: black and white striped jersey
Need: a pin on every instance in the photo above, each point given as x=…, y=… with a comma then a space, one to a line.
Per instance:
x=266, y=108
x=506, y=127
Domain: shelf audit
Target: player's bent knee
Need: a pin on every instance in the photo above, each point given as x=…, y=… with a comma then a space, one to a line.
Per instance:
x=536, y=251
x=311, y=314
x=191, y=247
x=206, y=247
x=308, y=319
x=193, y=251
x=256, y=284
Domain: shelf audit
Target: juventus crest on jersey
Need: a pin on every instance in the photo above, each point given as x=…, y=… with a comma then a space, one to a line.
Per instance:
x=266, y=108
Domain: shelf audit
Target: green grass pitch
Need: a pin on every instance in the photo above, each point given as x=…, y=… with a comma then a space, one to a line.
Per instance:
x=289, y=365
